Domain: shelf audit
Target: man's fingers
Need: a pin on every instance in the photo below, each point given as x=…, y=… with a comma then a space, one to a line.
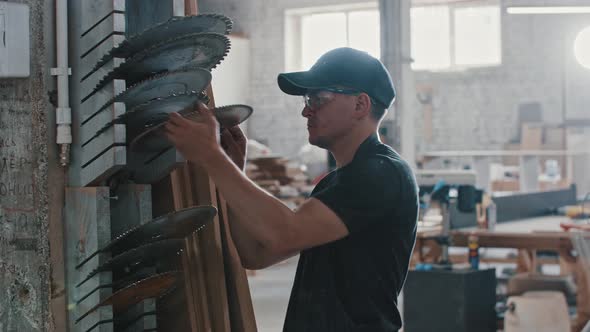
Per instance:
x=204, y=111
x=237, y=132
x=224, y=138
x=176, y=119
x=227, y=141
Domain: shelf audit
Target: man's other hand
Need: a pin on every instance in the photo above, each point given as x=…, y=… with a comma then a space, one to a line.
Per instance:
x=195, y=139
x=234, y=143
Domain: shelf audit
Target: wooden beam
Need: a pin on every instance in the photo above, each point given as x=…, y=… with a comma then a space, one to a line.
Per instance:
x=87, y=229
x=540, y=241
x=191, y=7
x=211, y=251
x=242, y=316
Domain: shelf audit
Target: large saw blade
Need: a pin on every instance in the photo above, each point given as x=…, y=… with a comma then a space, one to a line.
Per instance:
x=204, y=50
x=151, y=113
x=152, y=287
x=126, y=281
x=174, y=225
x=176, y=26
x=152, y=139
x=142, y=256
x=161, y=86
x=154, y=112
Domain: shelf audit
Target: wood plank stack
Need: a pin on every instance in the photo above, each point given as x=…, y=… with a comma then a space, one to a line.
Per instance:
x=277, y=175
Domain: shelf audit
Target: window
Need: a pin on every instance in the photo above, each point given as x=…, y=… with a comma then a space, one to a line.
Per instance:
x=455, y=36
x=311, y=32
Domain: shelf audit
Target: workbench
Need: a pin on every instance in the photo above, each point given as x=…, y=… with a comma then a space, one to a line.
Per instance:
x=527, y=236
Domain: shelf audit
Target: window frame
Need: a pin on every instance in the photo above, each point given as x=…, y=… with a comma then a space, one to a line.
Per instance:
x=293, y=28
x=453, y=7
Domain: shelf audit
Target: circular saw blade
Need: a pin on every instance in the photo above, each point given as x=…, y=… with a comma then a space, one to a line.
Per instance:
x=174, y=225
x=204, y=50
x=152, y=287
x=141, y=256
x=232, y=115
x=154, y=112
x=176, y=26
x=152, y=139
x=163, y=85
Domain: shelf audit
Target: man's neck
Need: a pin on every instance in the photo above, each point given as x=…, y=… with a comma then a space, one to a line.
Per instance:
x=345, y=148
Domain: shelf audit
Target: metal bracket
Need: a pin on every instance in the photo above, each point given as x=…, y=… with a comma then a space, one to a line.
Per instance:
x=60, y=71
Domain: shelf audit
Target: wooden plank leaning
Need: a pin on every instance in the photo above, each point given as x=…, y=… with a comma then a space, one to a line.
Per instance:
x=87, y=228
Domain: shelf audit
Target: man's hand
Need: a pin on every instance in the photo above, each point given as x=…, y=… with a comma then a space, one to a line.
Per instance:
x=195, y=139
x=234, y=143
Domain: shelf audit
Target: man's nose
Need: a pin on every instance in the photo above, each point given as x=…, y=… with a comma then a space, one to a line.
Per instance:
x=306, y=112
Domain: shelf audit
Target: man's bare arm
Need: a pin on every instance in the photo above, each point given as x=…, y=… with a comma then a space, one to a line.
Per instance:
x=277, y=231
x=271, y=231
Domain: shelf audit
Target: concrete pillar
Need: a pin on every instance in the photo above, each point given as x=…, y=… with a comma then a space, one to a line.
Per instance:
x=31, y=189
x=396, y=55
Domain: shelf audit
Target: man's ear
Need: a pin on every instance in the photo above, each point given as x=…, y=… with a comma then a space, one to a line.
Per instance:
x=363, y=105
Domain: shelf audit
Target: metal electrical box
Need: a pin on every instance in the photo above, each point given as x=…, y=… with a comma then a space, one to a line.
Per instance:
x=14, y=40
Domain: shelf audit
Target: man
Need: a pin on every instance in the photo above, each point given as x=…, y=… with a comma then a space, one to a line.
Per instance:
x=356, y=233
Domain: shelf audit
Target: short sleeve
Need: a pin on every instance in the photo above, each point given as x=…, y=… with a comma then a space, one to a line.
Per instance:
x=364, y=193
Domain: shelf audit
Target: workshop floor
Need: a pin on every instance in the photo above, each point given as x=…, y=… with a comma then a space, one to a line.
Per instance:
x=270, y=289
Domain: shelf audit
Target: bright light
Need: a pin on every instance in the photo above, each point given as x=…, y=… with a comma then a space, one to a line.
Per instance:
x=549, y=10
x=582, y=47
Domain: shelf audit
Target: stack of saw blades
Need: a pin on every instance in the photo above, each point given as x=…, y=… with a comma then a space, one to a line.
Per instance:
x=167, y=68
x=145, y=259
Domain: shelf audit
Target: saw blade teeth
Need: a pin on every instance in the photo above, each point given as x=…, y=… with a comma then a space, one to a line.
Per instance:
x=152, y=78
x=137, y=58
x=103, y=60
x=229, y=23
x=110, y=76
x=141, y=106
x=227, y=49
x=91, y=274
x=124, y=49
x=226, y=20
x=224, y=107
x=164, y=245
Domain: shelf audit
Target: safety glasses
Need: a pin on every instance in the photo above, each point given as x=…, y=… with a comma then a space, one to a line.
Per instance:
x=315, y=99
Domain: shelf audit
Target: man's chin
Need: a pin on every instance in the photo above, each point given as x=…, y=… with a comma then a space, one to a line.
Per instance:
x=320, y=142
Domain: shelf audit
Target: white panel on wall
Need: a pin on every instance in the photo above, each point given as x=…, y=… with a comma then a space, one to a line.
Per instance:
x=231, y=79
x=14, y=40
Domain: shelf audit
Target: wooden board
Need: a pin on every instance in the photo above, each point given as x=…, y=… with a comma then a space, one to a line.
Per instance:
x=87, y=228
x=150, y=167
x=91, y=106
x=88, y=130
x=114, y=23
x=139, y=19
x=115, y=135
x=238, y=291
x=191, y=186
x=89, y=84
x=90, y=59
x=103, y=167
x=94, y=11
x=131, y=207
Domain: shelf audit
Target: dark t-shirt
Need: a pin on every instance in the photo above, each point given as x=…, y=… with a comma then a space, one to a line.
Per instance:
x=352, y=285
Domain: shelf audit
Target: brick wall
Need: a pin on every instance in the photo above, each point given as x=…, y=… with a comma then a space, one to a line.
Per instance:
x=277, y=119
x=473, y=109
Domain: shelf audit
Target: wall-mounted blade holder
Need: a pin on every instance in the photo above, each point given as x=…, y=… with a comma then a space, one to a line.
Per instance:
x=89, y=227
x=110, y=189
x=100, y=28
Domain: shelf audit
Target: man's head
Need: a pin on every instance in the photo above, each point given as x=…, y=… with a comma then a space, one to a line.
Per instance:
x=343, y=90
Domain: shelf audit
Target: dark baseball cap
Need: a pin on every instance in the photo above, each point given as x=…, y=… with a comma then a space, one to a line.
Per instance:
x=345, y=67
